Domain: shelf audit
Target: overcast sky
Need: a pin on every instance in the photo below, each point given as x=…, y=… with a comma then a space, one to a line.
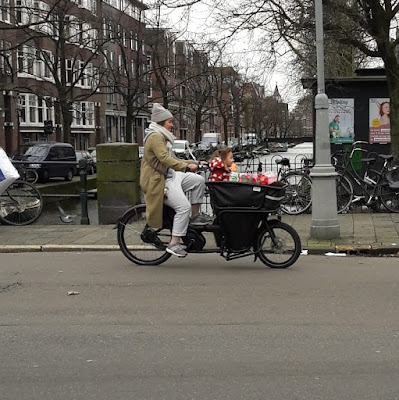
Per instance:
x=197, y=25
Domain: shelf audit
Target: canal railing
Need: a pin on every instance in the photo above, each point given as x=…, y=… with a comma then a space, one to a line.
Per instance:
x=82, y=194
x=252, y=163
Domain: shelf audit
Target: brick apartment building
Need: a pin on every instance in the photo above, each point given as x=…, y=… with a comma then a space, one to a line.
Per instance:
x=88, y=71
x=64, y=73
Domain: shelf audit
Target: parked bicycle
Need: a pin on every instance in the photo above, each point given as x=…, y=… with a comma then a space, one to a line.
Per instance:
x=241, y=228
x=298, y=194
x=373, y=187
x=27, y=174
x=20, y=204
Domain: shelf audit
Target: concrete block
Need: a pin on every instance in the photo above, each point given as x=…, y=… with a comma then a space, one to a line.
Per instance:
x=118, y=171
x=118, y=176
x=117, y=152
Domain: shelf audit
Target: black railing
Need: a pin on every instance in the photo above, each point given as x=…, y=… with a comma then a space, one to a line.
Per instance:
x=82, y=195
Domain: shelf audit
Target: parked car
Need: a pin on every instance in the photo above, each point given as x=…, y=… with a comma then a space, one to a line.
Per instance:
x=93, y=154
x=279, y=147
x=141, y=152
x=182, y=149
x=35, y=152
x=80, y=154
x=233, y=143
x=209, y=141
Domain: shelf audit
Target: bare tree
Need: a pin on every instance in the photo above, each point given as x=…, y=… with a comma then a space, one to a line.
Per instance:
x=366, y=27
x=58, y=43
x=126, y=71
x=198, y=84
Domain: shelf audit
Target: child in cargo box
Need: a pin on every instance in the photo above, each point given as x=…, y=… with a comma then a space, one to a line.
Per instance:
x=221, y=165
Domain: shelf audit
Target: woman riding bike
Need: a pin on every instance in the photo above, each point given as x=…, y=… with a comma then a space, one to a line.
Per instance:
x=164, y=180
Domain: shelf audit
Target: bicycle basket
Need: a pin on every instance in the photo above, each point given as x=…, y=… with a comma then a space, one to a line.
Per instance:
x=234, y=222
x=393, y=178
x=245, y=195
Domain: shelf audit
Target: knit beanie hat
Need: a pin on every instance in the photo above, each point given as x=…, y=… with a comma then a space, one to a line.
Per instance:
x=159, y=113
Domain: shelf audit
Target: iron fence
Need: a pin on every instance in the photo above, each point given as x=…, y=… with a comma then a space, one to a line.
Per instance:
x=83, y=193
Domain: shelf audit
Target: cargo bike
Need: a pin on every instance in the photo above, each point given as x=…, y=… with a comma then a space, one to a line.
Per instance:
x=245, y=224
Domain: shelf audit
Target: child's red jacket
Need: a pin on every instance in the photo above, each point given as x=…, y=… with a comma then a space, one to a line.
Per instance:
x=218, y=170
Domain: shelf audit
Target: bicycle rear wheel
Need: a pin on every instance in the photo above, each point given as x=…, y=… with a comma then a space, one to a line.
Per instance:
x=20, y=204
x=130, y=227
x=389, y=197
x=279, y=246
x=298, y=193
x=344, y=190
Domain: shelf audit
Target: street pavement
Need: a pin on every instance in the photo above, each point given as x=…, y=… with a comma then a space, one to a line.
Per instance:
x=361, y=233
x=198, y=328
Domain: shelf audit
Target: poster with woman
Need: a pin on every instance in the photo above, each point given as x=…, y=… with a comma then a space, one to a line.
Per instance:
x=341, y=120
x=379, y=121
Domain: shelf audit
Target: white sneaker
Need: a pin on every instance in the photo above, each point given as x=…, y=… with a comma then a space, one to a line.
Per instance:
x=177, y=250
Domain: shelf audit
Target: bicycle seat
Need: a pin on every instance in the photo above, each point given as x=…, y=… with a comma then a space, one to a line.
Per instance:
x=387, y=157
x=283, y=161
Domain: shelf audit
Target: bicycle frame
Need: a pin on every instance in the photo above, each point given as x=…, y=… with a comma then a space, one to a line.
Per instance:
x=368, y=186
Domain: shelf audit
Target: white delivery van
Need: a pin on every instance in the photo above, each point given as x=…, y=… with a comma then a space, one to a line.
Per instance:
x=209, y=141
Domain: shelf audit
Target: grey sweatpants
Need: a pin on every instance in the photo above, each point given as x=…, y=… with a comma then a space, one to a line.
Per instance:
x=177, y=186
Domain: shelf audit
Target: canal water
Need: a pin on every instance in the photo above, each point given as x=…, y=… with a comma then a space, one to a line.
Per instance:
x=52, y=214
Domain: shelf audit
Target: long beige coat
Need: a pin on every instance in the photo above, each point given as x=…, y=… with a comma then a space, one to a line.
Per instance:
x=154, y=164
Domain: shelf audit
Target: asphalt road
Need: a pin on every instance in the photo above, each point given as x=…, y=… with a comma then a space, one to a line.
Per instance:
x=197, y=328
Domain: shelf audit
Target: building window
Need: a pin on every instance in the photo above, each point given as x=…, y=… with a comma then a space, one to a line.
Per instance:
x=69, y=71
x=134, y=41
x=34, y=110
x=108, y=127
x=23, y=11
x=122, y=125
x=5, y=57
x=83, y=114
x=5, y=10
x=47, y=59
x=26, y=59
x=34, y=62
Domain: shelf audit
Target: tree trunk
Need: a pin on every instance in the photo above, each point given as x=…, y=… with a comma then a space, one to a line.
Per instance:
x=393, y=89
x=225, y=123
x=129, y=120
x=198, y=118
x=66, y=120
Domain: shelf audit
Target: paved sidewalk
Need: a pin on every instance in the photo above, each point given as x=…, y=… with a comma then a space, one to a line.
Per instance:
x=361, y=233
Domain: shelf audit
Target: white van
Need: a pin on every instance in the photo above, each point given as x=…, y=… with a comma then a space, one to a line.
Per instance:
x=251, y=139
x=209, y=141
x=181, y=148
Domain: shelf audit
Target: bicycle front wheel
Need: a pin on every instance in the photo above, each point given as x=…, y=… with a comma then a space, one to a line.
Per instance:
x=130, y=227
x=279, y=245
x=344, y=190
x=20, y=204
x=31, y=176
x=389, y=197
x=298, y=193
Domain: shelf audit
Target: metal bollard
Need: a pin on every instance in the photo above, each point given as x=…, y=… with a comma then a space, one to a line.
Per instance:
x=84, y=219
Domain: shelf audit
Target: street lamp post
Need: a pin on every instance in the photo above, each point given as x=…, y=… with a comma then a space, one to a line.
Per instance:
x=324, y=224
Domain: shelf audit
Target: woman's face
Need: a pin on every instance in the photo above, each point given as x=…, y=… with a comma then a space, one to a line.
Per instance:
x=228, y=162
x=168, y=124
x=386, y=109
